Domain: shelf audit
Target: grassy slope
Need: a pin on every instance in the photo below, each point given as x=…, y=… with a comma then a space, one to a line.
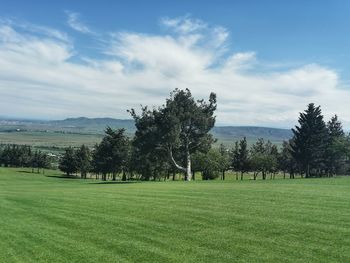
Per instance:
x=49, y=219
x=49, y=139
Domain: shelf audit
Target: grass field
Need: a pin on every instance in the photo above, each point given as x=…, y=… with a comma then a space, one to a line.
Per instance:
x=53, y=219
x=49, y=139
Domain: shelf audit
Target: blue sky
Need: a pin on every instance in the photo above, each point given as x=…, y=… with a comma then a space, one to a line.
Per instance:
x=265, y=59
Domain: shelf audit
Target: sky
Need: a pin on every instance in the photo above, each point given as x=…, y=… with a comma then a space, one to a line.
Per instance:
x=265, y=60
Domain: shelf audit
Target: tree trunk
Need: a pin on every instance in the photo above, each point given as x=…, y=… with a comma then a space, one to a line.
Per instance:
x=187, y=169
x=223, y=175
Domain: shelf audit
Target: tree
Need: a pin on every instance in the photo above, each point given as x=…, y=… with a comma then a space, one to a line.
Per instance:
x=235, y=162
x=243, y=157
x=224, y=161
x=111, y=155
x=310, y=141
x=180, y=127
x=286, y=162
x=337, y=147
x=198, y=162
x=68, y=162
x=211, y=165
x=149, y=158
x=83, y=157
x=263, y=158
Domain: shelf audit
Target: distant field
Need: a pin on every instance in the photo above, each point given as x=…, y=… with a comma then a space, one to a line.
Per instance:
x=77, y=131
x=52, y=219
x=49, y=139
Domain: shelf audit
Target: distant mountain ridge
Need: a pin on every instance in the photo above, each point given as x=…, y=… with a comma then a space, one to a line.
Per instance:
x=226, y=134
x=98, y=123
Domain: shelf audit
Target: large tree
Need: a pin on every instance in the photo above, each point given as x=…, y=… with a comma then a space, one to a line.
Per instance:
x=180, y=127
x=310, y=141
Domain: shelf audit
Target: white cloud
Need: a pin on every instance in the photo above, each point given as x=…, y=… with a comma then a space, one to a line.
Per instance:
x=184, y=25
x=39, y=78
x=73, y=20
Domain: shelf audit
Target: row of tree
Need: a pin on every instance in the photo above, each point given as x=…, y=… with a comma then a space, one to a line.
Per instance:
x=175, y=138
x=12, y=155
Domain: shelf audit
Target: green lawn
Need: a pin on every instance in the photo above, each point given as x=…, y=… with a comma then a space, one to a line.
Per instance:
x=52, y=219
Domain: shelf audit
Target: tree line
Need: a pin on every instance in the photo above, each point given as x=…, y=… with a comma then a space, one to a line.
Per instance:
x=12, y=155
x=175, y=138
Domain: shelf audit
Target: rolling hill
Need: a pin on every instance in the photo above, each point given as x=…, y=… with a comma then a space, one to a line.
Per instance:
x=71, y=130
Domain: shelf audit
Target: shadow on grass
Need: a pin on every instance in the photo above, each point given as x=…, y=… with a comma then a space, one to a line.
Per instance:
x=63, y=176
x=28, y=172
x=116, y=182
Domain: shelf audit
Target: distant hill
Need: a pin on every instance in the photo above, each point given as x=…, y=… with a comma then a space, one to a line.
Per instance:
x=83, y=125
x=229, y=134
x=94, y=124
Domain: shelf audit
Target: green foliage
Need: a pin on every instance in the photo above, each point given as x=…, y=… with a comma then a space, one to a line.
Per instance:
x=68, y=162
x=264, y=157
x=111, y=155
x=337, y=148
x=83, y=157
x=240, y=159
x=180, y=128
x=286, y=162
x=310, y=141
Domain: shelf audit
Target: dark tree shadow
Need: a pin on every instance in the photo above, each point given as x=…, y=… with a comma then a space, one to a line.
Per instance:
x=115, y=182
x=26, y=172
x=63, y=176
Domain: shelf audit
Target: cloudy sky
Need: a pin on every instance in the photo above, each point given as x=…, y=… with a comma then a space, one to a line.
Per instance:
x=266, y=61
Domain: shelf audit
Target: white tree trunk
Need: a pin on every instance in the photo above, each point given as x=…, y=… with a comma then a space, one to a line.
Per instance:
x=188, y=168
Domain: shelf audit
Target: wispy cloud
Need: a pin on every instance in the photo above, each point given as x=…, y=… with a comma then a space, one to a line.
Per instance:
x=38, y=76
x=184, y=25
x=73, y=20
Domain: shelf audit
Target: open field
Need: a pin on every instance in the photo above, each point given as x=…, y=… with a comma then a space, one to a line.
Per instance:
x=46, y=218
x=50, y=135
x=49, y=140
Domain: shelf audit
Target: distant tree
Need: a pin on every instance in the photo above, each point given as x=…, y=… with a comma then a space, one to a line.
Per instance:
x=263, y=158
x=6, y=156
x=211, y=165
x=286, y=162
x=83, y=156
x=68, y=162
x=198, y=162
x=224, y=161
x=243, y=157
x=310, y=141
x=235, y=162
x=181, y=127
x=273, y=153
